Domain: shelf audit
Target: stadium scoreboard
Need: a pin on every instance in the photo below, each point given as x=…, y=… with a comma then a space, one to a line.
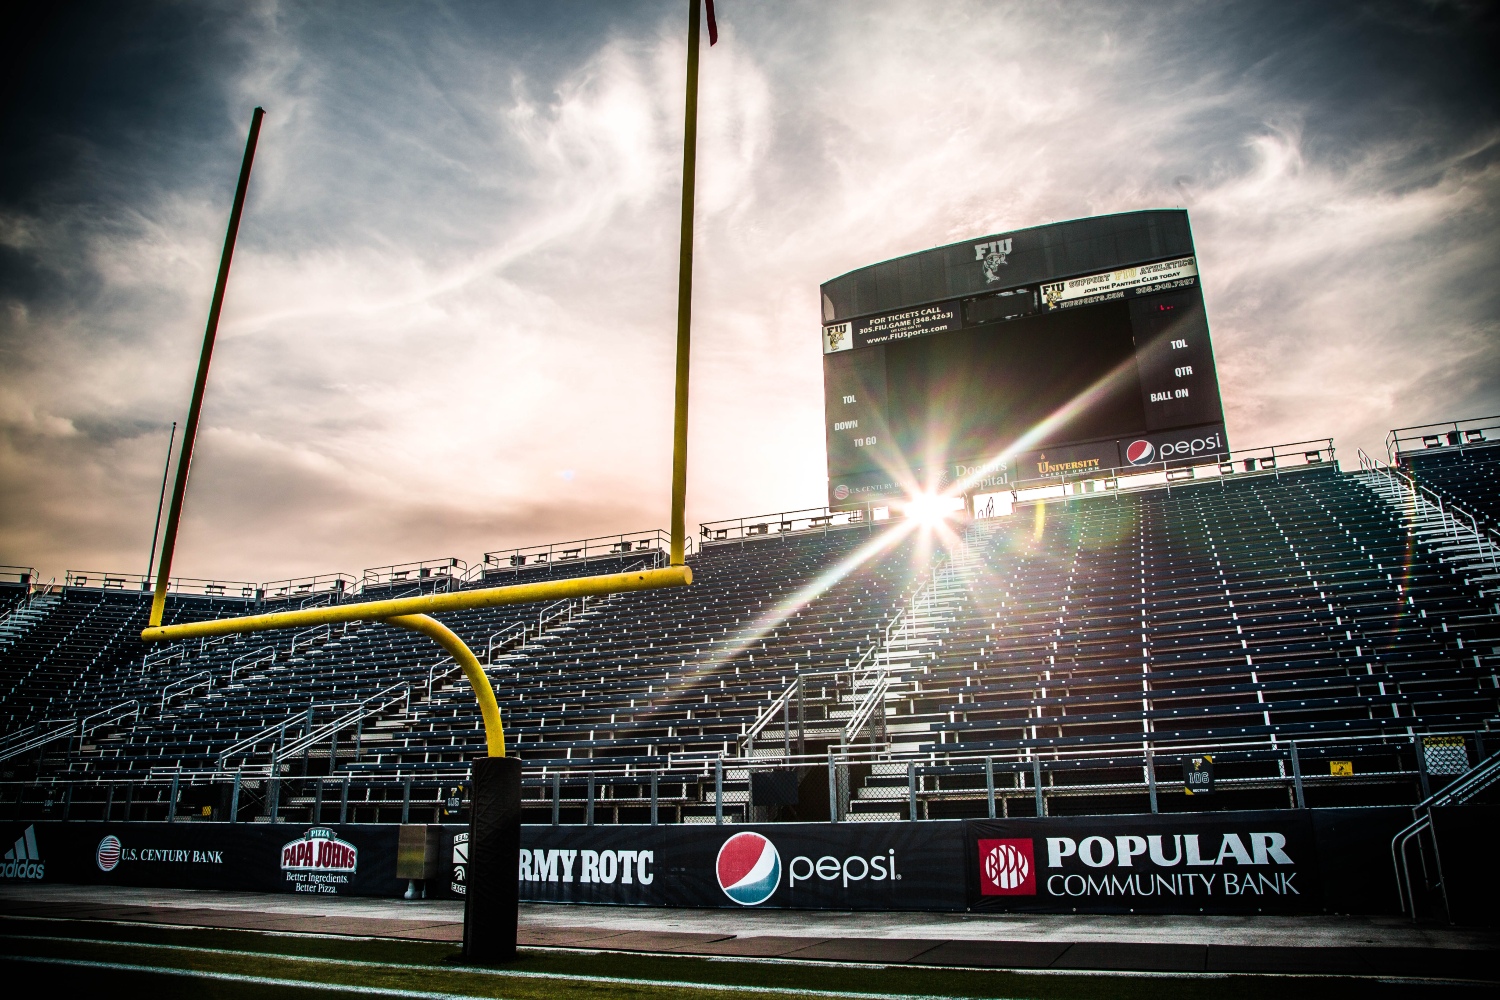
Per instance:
x=1077, y=348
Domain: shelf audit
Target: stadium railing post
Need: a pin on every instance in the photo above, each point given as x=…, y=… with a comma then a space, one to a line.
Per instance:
x=406, y=800
x=1036, y=775
x=67, y=802
x=172, y=797
x=494, y=868
x=833, y=790
x=1297, y=775
x=234, y=800
x=718, y=791
x=317, y=809
x=589, y=815
x=556, y=797
x=1151, y=777
x=654, y=779
x=129, y=801
x=989, y=784
x=1421, y=751
x=275, y=790
x=344, y=801
x=911, y=792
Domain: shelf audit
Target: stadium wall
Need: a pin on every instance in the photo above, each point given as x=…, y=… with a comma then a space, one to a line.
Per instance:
x=1285, y=861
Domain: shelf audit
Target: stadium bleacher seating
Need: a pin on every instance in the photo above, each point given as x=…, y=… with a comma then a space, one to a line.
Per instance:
x=1239, y=613
x=1467, y=476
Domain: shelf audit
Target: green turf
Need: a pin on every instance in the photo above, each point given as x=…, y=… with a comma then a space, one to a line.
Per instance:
x=231, y=963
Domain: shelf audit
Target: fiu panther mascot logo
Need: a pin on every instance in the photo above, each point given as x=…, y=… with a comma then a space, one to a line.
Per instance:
x=992, y=256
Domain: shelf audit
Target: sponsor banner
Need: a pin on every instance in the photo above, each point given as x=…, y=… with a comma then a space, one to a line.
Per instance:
x=1188, y=446
x=1247, y=862
x=318, y=860
x=907, y=323
x=843, y=866
x=877, y=487
x=1092, y=288
x=1077, y=461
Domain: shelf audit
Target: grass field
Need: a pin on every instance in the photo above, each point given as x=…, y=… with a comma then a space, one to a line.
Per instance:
x=144, y=959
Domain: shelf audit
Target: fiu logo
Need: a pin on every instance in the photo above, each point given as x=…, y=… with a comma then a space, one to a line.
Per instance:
x=992, y=256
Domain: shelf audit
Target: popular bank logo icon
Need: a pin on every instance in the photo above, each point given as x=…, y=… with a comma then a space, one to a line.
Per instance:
x=841, y=492
x=107, y=855
x=1007, y=868
x=749, y=868
x=1140, y=452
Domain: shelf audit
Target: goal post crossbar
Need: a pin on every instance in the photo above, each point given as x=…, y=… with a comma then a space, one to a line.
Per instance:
x=414, y=613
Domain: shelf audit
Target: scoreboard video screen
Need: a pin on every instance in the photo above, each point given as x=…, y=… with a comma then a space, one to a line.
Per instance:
x=1079, y=347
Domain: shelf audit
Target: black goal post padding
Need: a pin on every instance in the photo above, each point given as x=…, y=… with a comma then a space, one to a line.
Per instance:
x=493, y=876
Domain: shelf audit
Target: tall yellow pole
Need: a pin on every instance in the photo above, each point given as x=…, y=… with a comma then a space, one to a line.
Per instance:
x=685, y=293
x=195, y=408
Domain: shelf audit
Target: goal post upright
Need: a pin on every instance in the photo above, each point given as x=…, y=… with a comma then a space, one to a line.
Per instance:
x=200, y=383
x=490, y=905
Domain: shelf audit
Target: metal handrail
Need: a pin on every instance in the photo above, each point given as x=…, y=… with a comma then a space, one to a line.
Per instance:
x=42, y=739
x=1478, y=778
x=363, y=711
x=186, y=684
x=317, y=631
x=110, y=713
x=1452, y=515
x=260, y=655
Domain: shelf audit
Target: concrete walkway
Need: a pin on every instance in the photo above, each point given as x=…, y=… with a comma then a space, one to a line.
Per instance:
x=1314, y=944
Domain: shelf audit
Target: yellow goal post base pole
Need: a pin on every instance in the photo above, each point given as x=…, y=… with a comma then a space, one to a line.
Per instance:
x=413, y=613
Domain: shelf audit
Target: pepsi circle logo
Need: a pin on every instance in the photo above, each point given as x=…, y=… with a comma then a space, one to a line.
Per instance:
x=1139, y=452
x=841, y=492
x=749, y=868
x=107, y=857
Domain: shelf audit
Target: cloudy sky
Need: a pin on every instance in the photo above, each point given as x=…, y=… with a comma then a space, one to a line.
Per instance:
x=450, y=322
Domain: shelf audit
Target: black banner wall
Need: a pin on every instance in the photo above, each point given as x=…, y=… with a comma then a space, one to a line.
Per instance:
x=342, y=860
x=845, y=866
x=1287, y=861
x=1244, y=862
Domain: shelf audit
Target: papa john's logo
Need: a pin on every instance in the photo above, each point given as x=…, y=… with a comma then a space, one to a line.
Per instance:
x=319, y=850
x=1140, y=452
x=749, y=868
x=1007, y=868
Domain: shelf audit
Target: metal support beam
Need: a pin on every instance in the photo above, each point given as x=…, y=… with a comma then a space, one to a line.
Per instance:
x=1036, y=774
x=989, y=783
x=911, y=791
x=718, y=791
x=1151, y=778
x=833, y=790
x=654, y=778
x=1297, y=776
x=172, y=799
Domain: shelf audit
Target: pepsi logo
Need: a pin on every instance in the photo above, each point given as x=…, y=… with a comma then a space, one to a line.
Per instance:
x=749, y=868
x=107, y=857
x=1139, y=452
x=841, y=492
x=1007, y=868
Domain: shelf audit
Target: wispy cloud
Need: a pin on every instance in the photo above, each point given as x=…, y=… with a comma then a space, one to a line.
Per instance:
x=456, y=279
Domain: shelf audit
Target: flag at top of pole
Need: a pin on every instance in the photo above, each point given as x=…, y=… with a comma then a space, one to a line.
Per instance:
x=713, y=26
